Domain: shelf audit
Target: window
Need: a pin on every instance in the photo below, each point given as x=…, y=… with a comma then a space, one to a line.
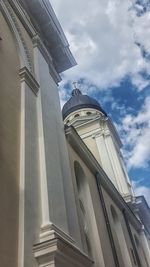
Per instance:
x=88, y=113
x=86, y=215
x=82, y=198
x=120, y=239
x=76, y=115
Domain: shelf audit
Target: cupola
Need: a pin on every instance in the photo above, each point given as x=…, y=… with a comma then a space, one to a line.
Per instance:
x=79, y=101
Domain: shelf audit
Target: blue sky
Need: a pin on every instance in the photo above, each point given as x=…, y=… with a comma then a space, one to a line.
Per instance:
x=110, y=42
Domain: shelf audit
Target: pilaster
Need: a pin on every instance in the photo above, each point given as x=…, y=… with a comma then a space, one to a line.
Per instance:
x=50, y=142
x=29, y=86
x=37, y=43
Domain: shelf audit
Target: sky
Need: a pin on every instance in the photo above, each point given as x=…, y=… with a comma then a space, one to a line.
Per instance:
x=110, y=42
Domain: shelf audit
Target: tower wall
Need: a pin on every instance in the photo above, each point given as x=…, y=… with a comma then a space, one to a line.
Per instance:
x=99, y=134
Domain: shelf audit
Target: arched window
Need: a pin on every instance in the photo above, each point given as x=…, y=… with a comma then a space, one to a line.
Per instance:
x=82, y=195
x=86, y=214
x=120, y=238
x=76, y=115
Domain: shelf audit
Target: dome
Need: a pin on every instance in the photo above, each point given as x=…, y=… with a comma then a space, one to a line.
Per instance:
x=79, y=101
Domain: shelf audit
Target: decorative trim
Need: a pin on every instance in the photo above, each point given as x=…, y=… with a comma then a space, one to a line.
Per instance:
x=37, y=42
x=51, y=231
x=11, y=19
x=22, y=15
x=58, y=252
x=93, y=134
x=27, y=77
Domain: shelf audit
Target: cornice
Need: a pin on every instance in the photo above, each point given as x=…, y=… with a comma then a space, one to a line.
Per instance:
x=45, y=21
x=51, y=231
x=57, y=249
x=22, y=15
x=27, y=77
x=81, y=149
x=37, y=42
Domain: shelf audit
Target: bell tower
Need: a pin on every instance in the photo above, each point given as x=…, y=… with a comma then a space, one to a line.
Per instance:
x=100, y=135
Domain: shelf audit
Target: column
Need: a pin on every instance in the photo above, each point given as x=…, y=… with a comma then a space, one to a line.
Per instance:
x=29, y=208
x=58, y=211
x=54, y=215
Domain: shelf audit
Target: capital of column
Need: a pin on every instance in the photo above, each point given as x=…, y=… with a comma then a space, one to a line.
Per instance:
x=37, y=43
x=27, y=77
x=50, y=231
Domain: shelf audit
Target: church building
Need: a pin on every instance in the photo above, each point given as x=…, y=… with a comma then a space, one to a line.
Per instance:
x=66, y=199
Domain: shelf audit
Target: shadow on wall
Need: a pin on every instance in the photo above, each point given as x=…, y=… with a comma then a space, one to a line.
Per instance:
x=120, y=239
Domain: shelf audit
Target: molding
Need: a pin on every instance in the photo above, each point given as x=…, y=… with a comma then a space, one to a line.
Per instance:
x=45, y=21
x=22, y=15
x=51, y=231
x=82, y=150
x=128, y=198
x=94, y=133
x=58, y=252
x=28, y=78
x=85, y=120
x=10, y=17
x=37, y=42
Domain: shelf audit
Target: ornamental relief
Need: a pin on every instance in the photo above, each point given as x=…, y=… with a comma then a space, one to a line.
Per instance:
x=10, y=16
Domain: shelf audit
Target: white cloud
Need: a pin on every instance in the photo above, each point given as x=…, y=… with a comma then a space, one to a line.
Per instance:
x=139, y=81
x=102, y=37
x=135, y=131
x=108, y=39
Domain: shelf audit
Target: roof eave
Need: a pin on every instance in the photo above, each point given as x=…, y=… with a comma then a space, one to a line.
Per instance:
x=47, y=24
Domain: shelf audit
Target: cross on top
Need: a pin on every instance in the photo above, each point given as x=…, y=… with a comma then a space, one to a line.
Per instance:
x=75, y=85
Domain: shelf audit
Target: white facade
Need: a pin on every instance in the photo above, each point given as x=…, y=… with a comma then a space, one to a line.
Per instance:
x=56, y=199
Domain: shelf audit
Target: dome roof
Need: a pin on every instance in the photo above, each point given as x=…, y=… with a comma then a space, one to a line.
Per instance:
x=79, y=101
